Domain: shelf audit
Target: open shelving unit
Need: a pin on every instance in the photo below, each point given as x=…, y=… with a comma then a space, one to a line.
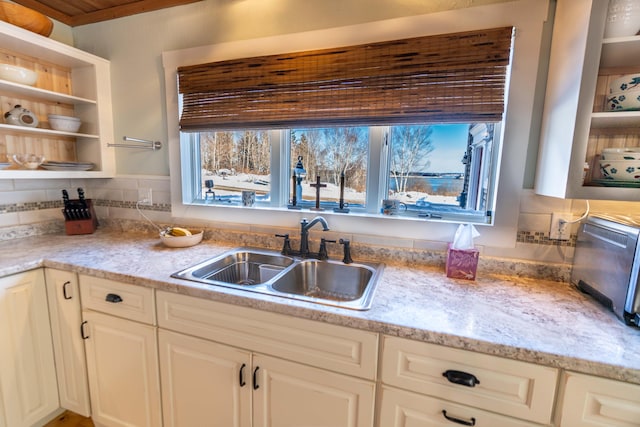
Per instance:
x=70, y=82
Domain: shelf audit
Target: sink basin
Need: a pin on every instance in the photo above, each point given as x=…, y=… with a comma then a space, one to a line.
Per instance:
x=243, y=267
x=329, y=280
x=268, y=272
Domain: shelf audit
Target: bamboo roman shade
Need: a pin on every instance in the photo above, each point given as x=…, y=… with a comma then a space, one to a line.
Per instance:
x=446, y=78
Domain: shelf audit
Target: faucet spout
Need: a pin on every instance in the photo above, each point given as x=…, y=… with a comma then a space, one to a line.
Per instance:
x=307, y=225
x=304, y=233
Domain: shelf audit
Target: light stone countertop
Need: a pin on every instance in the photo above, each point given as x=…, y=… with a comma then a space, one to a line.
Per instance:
x=538, y=321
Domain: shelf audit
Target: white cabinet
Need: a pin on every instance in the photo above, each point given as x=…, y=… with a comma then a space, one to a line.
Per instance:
x=594, y=402
x=293, y=372
x=28, y=388
x=400, y=408
x=504, y=386
x=122, y=358
x=576, y=125
x=203, y=380
x=288, y=394
x=63, y=294
x=70, y=82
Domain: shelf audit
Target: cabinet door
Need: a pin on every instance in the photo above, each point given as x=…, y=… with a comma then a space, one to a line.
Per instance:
x=203, y=383
x=27, y=370
x=287, y=394
x=66, y=316
x=401, y=408
x=122, y=365
x=595, y=402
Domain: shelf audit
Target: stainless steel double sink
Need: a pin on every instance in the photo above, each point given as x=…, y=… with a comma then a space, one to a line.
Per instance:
x=326, y=282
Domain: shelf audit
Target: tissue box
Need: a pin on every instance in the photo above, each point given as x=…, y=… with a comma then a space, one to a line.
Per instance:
x=462, y=263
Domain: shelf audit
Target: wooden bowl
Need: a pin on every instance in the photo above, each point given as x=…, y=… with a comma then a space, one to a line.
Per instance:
x=26, y=18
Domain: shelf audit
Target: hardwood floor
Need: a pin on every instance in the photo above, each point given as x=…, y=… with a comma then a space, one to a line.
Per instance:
x=70, y=419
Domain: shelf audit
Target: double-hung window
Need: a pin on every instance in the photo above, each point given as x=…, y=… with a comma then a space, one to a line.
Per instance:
x=414, y=120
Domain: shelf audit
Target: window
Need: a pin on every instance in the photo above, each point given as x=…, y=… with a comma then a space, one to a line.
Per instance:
x=334, y=156
x=231, y=162
x=438, y=171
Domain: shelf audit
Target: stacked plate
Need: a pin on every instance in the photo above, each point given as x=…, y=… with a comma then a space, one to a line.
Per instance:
x=4, y=165
x=68, y=166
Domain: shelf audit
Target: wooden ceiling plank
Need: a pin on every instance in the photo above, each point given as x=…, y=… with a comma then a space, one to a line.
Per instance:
x=46, y=10
x=123, y=10
x=82, y=12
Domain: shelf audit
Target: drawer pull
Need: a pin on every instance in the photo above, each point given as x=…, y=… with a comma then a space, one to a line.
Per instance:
x=64, y=290
x=84, y=337
x=461, y=378
x=255, y=378
x=242, y=381
x=114, y=298
x=458, y=420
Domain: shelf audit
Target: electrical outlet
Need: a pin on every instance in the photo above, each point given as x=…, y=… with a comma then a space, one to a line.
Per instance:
x=144, y=197
x=560, y=228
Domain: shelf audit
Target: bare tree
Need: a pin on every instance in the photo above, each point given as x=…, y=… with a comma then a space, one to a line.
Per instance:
x=345, y=152
x=410, y=149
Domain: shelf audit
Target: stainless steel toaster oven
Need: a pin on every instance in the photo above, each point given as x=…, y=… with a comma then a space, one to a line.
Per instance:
x=607, y=262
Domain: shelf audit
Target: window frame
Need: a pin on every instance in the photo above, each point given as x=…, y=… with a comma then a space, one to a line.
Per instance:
x=528, y=16
x=378, y=178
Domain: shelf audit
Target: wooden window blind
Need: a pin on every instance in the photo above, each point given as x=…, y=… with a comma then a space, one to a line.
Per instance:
x=449, y=78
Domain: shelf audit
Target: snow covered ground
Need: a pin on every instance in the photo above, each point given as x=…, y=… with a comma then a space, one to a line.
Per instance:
x=231, y=184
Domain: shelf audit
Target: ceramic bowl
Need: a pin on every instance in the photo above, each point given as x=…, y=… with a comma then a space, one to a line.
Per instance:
x=17, y=74
x=625, y=83
x=624, y=101
x=28, y=161
x=64, y=123
x=621, y=170
x=627, y=153
x=623, y=18
x=182, y=241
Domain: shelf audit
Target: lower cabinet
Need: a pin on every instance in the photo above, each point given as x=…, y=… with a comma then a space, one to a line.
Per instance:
x=122, y=356
x=290, y=394
x=523, y=391
x=204, y=382
x=252, y=368
x=28, y=388
x=401, y=408
x=593, y=402
x=63, y=293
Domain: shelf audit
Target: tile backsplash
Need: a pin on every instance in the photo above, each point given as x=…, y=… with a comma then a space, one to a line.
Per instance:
x=30, y=207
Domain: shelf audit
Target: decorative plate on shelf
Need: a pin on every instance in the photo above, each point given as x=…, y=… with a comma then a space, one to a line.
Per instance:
x=68, y=166
x=616, y=183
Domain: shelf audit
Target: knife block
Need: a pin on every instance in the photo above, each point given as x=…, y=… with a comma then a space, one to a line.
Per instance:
x=82, y=226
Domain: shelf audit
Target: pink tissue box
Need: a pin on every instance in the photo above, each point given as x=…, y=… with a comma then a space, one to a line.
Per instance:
x=462, y=263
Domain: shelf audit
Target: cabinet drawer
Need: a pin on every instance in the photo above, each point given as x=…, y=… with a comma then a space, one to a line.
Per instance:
x=401, y=408
x=504, y=386
x=118, y=299
x=332, y=347
x=592, y=401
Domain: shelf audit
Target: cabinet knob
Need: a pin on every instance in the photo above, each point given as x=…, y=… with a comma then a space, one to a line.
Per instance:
x=114, y=298
x=461, y=378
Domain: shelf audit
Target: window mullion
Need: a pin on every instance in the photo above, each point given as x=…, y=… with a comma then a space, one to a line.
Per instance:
x=280, y=161
x=378, y=168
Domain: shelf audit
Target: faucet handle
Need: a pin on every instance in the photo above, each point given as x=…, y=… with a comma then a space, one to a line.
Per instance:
x=347, y=251
x=322, y=252
x=286, y=246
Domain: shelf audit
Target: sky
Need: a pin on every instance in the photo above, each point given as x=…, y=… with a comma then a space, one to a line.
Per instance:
x=450, y=142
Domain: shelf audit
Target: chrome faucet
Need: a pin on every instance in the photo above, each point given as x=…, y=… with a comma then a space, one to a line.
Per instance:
x=304, y=233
